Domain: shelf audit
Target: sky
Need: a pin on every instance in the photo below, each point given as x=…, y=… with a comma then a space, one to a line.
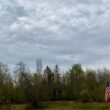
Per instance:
x=62, y=32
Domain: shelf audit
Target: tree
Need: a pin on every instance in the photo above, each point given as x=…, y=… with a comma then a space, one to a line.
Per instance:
x=57, y=84
x=39, y=66
x=6, y=85
x=24, y=82
x=49, y=78
x=75, y=79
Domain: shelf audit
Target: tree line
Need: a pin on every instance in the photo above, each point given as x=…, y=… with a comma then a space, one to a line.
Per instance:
x=24, y=86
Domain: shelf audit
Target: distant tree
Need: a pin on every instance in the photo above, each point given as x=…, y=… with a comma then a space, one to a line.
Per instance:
x=49, y=75
x=35, y=88
x=49, y=78
x=39, y=66
x=24, y=82
x=75, y=78
x=57, y=84
x=57, y=73
x=6, y=85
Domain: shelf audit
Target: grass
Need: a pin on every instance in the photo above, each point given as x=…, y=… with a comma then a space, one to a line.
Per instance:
x=71, y=105
x=12, y=107
x=63, y=105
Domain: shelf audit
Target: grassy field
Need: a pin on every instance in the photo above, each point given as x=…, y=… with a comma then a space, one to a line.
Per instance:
x=12, y=107
x=70, y=105
x=63, y=105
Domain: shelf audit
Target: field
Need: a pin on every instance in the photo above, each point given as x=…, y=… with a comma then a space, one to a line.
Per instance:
x=63, y=105
x=70, y=105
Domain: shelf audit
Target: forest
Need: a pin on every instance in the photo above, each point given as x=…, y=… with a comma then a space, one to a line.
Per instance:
x=50, y=84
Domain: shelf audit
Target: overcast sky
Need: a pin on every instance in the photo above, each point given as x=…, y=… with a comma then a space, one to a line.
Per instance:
x=60, y=32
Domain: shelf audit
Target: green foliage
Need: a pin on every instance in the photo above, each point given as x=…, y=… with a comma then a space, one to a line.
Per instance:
x=35, y=88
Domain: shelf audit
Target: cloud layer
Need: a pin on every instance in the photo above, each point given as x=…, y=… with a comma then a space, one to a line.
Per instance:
x=60, y=32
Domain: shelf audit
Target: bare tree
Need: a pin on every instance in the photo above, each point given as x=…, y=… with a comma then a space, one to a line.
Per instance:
x=39, y=66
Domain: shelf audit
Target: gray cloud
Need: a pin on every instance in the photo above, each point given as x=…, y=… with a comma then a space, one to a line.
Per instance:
x=60, y=32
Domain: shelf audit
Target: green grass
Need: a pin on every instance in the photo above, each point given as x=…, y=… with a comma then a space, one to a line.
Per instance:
x=71, y=105
x=63, y=105
x=12, y=107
